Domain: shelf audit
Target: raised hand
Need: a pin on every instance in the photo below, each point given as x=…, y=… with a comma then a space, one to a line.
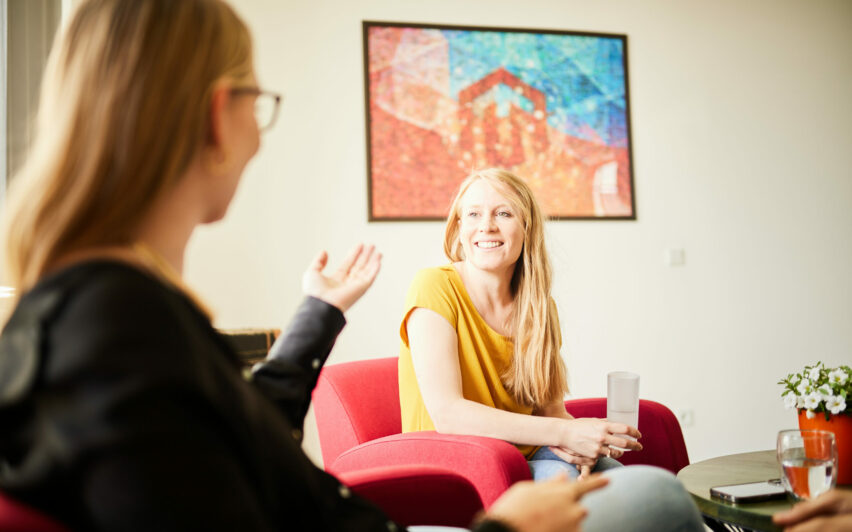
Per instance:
x=593, y=438
x=346, y=284
x=549, y=506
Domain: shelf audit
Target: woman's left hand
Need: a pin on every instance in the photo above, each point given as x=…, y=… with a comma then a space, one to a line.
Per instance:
x=573, y=458
x=585, y=465
x=348, y=283
x=615, y=453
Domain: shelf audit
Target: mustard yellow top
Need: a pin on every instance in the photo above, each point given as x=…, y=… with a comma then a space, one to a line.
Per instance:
x=483, y=353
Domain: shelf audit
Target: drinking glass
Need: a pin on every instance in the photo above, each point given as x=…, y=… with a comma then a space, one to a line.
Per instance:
x=622, y=399
x=809, y=461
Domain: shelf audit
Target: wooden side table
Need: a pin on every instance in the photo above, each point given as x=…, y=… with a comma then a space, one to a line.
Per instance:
x=698, y=478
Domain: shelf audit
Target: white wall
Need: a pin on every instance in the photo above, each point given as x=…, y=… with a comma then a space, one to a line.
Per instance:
x=742, y=146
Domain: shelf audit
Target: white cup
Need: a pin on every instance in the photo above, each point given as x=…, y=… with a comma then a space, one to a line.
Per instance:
x=622, y=399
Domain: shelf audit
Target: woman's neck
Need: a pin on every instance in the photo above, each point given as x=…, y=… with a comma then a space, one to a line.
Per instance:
x=491, y=292
x=168, y=225
x=153, y=249
x=167, y=238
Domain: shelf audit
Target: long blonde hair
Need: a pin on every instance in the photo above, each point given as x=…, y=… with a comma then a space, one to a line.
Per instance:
x=124, y=108
x=537, y=375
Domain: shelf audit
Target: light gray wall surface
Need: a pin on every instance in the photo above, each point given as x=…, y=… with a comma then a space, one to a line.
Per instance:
x=741, y=144
x=31, y=26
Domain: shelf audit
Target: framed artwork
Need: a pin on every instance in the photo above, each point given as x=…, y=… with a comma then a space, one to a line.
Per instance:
x=550, y=106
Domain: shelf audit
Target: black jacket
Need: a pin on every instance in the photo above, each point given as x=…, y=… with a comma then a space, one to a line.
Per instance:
x=121, y=408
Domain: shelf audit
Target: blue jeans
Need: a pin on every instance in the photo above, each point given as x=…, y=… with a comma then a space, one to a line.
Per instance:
x=545, y=464
x=638, y=498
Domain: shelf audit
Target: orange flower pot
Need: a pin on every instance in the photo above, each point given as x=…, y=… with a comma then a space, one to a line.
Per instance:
x=841, y=426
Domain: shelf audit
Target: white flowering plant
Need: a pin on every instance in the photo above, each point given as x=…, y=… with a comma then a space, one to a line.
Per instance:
x=819, y=389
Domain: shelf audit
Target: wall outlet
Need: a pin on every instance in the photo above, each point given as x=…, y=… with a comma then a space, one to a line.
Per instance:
x=675, y=257
x=686, y=417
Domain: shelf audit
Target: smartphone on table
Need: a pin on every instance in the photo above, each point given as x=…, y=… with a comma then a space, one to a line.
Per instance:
x=765, y=490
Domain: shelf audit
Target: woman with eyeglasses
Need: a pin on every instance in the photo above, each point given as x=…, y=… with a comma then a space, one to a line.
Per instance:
x=121, y=408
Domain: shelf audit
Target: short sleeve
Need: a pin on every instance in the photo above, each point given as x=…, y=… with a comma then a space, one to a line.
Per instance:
x=431, y=289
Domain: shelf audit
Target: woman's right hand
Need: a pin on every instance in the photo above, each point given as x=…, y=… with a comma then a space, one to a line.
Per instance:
x=549, y=506
x=347, y=284
x=830, y=512
x=590, y=437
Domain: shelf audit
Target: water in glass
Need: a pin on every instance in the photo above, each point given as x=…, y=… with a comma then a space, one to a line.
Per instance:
x=808, y=459
x=807, y=478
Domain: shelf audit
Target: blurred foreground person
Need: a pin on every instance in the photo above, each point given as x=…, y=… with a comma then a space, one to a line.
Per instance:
x=121, y=407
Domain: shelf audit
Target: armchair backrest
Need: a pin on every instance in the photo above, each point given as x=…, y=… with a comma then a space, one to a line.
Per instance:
x=356, y=402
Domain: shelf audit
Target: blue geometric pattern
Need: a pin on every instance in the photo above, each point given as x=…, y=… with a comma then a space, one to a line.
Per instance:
x=582, y=77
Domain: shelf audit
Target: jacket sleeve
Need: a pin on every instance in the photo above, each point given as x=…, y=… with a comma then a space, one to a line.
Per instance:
x=290, y=371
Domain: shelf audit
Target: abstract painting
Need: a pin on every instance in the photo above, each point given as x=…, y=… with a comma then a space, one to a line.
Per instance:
x=550, y=106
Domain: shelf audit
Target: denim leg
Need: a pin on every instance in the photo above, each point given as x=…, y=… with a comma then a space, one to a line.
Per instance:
x=641, y=499
x=545, y=464
x=545, y=469
x=605, y=464
x=638, y=498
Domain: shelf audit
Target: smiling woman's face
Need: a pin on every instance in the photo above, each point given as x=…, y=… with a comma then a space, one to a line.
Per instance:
x=491, y=231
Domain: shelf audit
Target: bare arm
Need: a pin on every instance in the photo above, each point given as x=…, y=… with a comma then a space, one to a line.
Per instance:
x=434, y=352
x=555, y=408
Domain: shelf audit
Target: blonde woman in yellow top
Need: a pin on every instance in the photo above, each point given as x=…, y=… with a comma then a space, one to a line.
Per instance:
x=480, y=356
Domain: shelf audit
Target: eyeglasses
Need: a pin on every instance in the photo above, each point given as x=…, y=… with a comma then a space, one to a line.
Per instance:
x=265, y=105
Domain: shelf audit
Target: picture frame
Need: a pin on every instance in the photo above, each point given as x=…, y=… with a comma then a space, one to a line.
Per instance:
x=552, y=106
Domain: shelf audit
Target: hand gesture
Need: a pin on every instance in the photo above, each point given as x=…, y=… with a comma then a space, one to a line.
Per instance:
x=830, y=512
x=348, y=283
x=549, y=506
x=592, y=438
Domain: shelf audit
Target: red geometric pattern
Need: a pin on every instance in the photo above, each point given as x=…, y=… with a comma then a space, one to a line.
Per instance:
x=424, y=141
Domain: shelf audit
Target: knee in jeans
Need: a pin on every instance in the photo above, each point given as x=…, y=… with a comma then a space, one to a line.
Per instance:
x=546, y=469
x=607, y=463
x=663, y=483
x=650, y=478
x=652, y=497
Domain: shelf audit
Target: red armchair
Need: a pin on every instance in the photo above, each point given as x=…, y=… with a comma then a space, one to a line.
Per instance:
x=18, y=517
x=417, y=494
x=358, y=419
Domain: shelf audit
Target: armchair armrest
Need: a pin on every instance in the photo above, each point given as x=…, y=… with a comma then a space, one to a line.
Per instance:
x=18, y=517
x=491, y=465
x=417, y=494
